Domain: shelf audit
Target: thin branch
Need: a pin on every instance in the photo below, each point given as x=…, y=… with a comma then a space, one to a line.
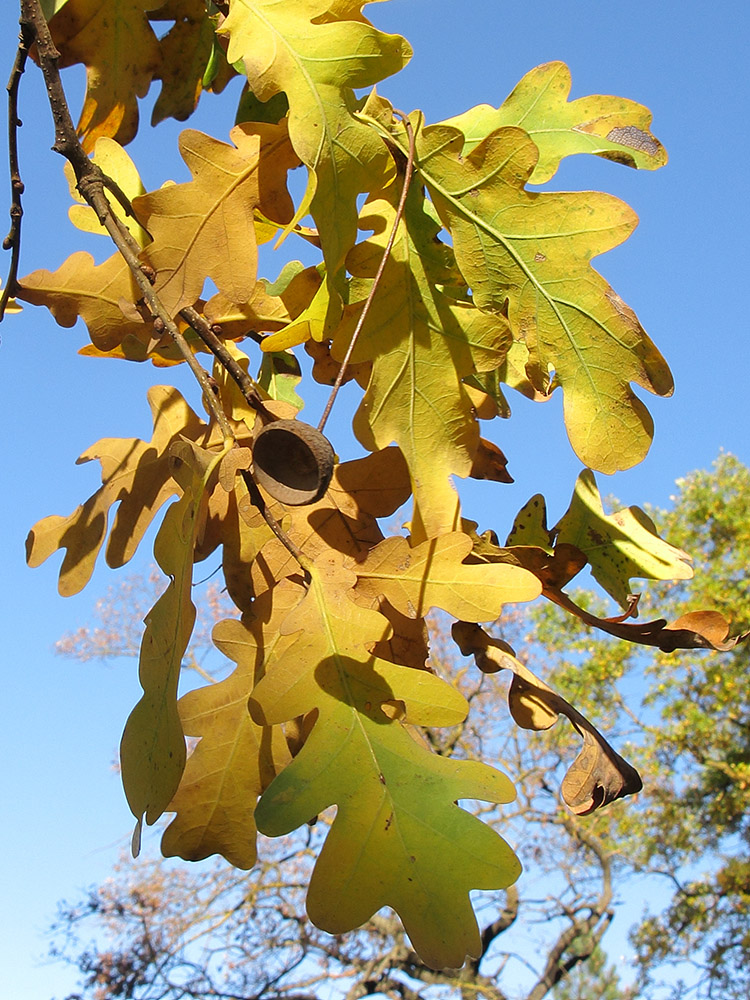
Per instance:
x=408, y=172
x=247, y=385
x=12, y=241
x=91, y=183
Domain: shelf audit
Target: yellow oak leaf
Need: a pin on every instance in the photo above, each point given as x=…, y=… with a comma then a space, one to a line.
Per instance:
x=137, y=476
x=115, y=42
x=205, y=228
x=529, y=253
x=317, y=55
x=152, y=749
x=188, y=53
x=422, y=343
x=117, y=165
x=101, y=294
x=434, y=575
x=236, y=758
x=612, y=127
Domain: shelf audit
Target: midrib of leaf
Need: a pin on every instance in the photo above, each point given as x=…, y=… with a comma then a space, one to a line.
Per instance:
x=320, y=599
x=299, y=61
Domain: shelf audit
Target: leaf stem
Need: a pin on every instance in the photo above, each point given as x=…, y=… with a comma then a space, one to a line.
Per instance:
x=408, y=173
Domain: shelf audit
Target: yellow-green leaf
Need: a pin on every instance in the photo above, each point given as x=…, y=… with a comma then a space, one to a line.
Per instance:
x=399, y=838
x=620, y=545
x=612, y=127
x=317, y=56
x=422, y=343
x=152, y=750
x=530, y=253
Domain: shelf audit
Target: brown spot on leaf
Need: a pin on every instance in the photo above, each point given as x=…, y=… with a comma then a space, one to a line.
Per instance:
x=636, y=138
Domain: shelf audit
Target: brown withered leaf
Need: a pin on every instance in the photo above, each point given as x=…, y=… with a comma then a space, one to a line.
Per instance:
x=694, y=630
x=598, y=775
x=115, y=42
x=137, y=476
x=490, y=463
x=236, y=758
x=205, y=228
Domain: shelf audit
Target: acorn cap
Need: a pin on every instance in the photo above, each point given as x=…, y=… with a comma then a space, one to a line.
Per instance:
x=293, y=462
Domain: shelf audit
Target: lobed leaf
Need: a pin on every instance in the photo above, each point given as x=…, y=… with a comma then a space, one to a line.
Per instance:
x=611, y=127
x=434, y=575
x=101, y=294
x=317, y=55
x=620, y=545
x=137, y=476
x=205, y=228
x=422, y=343
x=530, y=254
x=116, y=43
x=398, y=838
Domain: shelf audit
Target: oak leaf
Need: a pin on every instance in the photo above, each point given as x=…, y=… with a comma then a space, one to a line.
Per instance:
x=598, y=775
x=190, y=59
x=611, y=127
x=318, y=55
x=618, y=546
x=137, y=476
x=398, y=838
x=422, y=343
x=152, y=749
x=529, y=253
x=115, y=42
x=205, y=228
x=434, y=575
x=236, y=759
x=101, y=294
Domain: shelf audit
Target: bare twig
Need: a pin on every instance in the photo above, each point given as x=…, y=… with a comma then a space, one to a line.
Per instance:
x=258, y=501
x=12, y=241
x=245, y=383
x=91, y=183
x=408, y=171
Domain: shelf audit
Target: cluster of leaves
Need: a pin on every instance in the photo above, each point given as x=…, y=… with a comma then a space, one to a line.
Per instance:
x=331, y=678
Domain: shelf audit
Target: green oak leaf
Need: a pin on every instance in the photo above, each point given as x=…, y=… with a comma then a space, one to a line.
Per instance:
x=620, y=545
x=399, y=839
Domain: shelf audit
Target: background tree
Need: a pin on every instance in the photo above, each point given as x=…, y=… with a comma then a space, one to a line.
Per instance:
x=161, y=930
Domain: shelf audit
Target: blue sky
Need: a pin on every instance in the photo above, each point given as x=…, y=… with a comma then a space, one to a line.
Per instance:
x=684, y=271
